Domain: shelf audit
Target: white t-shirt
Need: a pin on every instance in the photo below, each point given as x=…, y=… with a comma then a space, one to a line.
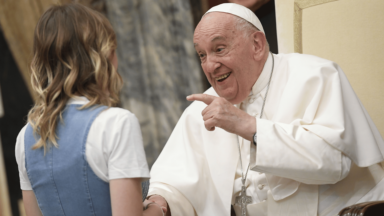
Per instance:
x=114, y=147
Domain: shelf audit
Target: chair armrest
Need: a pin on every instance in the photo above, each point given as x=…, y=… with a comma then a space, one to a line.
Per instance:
x=364, y=209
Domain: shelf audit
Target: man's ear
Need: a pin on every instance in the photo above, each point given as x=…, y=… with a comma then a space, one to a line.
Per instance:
x=259, y=45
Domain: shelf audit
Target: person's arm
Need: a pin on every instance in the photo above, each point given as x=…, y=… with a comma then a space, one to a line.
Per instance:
x=127, y=167
x=30, y=204
x=126, y=199
x=295, y=152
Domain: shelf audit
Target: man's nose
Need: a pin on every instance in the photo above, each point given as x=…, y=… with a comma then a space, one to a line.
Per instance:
x=212, y=64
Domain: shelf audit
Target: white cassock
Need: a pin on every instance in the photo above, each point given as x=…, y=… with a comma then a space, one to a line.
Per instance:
x=317, y=150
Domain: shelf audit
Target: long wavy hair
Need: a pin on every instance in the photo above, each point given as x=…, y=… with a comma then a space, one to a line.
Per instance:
x=71, y=57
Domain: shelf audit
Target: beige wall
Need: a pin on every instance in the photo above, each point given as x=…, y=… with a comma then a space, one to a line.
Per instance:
x=348, y=32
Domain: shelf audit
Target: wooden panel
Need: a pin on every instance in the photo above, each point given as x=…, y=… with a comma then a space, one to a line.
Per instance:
x=21, y=208
x=18, y=19
x=1, y=105
x=5, y=206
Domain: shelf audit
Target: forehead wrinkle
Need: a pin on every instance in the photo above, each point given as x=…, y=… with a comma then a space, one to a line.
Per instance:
x=215, y=26
x=218, y=38
x=213, y=33
x=218, y=20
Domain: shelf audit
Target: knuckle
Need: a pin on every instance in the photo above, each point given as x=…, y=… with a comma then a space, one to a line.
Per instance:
x=222, y=100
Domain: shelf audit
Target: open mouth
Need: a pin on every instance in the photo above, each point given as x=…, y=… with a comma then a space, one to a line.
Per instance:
x=223, y=77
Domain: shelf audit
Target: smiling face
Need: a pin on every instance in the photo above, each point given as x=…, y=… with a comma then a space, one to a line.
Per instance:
x=231, y=61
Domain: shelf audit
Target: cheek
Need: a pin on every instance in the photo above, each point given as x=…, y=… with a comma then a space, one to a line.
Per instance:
x=209, y=78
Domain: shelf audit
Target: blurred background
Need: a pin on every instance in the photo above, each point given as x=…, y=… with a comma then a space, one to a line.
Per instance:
x=157, y=61
x=159, y=66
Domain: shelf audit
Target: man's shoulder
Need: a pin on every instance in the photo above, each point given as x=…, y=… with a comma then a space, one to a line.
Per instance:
x=304, y=59
x=309, y=65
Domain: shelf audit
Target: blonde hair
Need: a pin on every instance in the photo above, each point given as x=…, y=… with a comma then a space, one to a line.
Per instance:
x=72, y=44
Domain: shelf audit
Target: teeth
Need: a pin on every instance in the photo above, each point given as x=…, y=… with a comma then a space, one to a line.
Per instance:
x=222, y=77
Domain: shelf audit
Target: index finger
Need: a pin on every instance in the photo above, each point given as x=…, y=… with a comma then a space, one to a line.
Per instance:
x=207, y=99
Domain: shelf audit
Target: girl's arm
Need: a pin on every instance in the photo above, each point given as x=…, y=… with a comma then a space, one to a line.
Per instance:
x=30, y=204
x=126, y=198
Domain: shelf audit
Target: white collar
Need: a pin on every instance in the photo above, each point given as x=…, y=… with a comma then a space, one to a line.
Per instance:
x=261, y=82
x=263, y=79
x=78, y=100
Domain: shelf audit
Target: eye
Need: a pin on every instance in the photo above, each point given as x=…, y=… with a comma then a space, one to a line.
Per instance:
x=219, y=49
x=201, y=55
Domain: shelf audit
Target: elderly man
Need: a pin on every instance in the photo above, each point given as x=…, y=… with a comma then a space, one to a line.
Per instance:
x=275, y=135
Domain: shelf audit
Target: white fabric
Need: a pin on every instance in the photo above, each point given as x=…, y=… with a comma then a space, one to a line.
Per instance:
x=114, y=147
x=307, y=96
x=240, y=11
x=256, y=183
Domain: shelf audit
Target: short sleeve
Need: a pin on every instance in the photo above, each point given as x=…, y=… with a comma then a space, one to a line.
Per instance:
x=20, y=159
x=127, y=157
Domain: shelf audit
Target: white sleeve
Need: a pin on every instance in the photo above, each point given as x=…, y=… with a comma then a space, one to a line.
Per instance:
x=293, y=152
x=126, y=151
x=177, y=202
x=20, y=159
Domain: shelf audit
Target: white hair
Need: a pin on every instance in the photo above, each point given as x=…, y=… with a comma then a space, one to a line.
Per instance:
x=244, y=26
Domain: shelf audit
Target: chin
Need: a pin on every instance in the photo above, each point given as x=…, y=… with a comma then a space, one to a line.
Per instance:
x=234, y=101
x=229, y=98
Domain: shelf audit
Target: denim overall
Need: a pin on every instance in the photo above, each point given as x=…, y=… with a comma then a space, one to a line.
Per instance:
x=62, y=180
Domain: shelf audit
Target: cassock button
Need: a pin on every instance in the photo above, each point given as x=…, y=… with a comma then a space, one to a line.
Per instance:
x=253, y=114
x=260, y=186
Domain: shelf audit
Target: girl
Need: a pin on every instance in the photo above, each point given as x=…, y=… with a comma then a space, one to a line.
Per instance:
x=78, y=155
